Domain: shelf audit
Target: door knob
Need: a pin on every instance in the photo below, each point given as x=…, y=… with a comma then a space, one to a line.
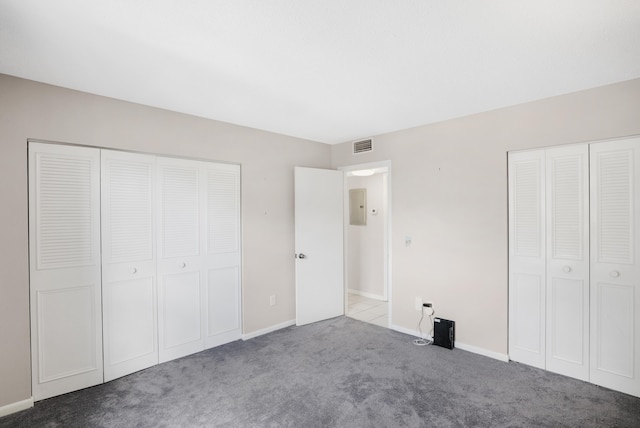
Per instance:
x=134, y=270
x=183, y=264
x=614, y=274
x=566, y=269
x=302, y=256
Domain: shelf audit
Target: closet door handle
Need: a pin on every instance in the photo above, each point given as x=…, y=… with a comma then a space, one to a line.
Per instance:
x=183, y=265
x=614, y=274
x=134, y=271
x=566, y=269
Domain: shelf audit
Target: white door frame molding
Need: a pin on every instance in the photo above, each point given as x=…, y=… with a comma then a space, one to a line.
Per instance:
x=378, y=168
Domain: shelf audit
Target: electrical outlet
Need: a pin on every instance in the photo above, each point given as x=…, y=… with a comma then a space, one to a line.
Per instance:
x=418, y=303
x=272, y=300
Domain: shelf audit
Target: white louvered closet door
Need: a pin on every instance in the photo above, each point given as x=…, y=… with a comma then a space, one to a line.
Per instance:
x=222, y=253
x=64, y=251
x=615, y=269
x=567, y=255
x=527, y=257
x=180, y=279
x=128, y=263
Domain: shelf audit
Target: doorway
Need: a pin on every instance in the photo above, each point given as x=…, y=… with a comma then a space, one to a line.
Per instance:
x=367, y=220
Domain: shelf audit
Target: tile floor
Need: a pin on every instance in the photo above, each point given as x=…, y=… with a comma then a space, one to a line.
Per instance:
x=368, y=310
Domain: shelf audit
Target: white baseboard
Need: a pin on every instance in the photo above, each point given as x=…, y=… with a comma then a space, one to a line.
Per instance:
x=407, y=331
x=16, y=407
x=459, y=345
x=268, y=329
x=482, y=351
x=365, y=294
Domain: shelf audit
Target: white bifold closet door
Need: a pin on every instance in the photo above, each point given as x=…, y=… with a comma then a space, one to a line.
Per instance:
x=128, y=263
x=222, y=258
x=615, y=269
x=527, y=259
x=198, y=256
x=567, y=261
x=64, y=251
x=548, y=259
x=574, y=273
x=180, y=275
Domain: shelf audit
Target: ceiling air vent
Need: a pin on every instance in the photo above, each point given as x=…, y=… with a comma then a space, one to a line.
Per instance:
x=362, y=146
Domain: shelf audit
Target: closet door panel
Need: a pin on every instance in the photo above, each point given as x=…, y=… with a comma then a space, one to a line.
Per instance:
x=615, y=272
x=182, y=311
x=65, y=286
x=223, y=321
x=567, y=239
x=128, y=263
x=129, y=325
x=222, y=253
x=527, y=301
x=527, y=258
x=614, y=329
x=180, y=276
x=63, y=317
x=566, y=319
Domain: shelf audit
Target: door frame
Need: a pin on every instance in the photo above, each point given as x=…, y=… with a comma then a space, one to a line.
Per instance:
x=378, y=167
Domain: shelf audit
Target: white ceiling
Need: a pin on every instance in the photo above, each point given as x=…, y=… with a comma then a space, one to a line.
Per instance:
x=324, y=70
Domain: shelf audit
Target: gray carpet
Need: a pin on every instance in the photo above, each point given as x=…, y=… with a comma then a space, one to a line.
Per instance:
x=336, y=373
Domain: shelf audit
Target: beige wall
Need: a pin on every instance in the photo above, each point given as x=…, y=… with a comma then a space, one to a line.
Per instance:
x=33, y=110
x=365, y=244
x=449, y=193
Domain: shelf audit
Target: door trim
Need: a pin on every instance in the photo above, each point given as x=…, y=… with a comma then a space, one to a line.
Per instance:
x=379, y=167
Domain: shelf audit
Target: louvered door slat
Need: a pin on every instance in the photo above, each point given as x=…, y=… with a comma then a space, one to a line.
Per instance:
x=615, y=211
x=527, y=208
x=65, y=219
x=180, y=206
x=222, y=210
x=130, y=208
x=568, y=206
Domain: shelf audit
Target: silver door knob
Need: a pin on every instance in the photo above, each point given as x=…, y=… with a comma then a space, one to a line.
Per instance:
x=183, y=265
x=614, y=274
x=566, y=269
x=134, y=270
x=302, y=256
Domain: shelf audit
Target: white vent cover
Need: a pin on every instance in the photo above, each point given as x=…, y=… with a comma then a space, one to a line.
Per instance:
x=362, y=146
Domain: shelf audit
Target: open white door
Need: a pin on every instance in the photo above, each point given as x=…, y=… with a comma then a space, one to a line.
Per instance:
x=319, y=244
